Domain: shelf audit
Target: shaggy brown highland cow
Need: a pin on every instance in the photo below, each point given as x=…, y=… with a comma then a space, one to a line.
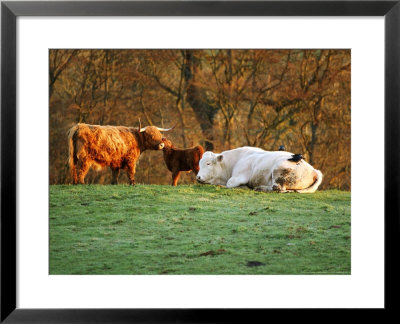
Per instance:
x=118, y=147
x=178, y=160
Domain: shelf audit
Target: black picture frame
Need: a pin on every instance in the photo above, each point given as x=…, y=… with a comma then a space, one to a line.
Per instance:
x=11, y=10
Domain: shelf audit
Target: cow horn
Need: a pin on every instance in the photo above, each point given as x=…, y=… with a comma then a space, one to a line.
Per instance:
x=166, y=129
x=140, y=127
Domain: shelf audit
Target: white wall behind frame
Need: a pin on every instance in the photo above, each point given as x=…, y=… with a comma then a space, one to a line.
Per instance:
x=364, y=288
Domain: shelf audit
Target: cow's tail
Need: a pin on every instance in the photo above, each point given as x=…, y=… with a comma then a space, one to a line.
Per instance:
x=72, y=158
x=200, y=149
x=317, y=181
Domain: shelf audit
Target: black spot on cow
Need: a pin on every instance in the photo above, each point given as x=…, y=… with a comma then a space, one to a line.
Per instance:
x=296, y=158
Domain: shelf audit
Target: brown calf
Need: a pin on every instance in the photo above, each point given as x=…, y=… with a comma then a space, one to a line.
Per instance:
x=178, y=160
x=118, y=147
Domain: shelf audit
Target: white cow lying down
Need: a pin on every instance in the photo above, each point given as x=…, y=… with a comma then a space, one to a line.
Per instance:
x=258, y=169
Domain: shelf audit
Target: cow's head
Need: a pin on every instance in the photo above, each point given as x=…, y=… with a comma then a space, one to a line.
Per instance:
x=152, y=137
x=167, y=143
x=211, y=168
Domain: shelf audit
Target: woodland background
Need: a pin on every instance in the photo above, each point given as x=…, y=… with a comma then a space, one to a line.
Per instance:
x=221, y=99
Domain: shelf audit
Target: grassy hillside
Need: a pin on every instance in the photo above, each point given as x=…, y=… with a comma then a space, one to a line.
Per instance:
x=197, y=229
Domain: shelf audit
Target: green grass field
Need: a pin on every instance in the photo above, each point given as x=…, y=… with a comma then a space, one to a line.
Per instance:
x=197, y=229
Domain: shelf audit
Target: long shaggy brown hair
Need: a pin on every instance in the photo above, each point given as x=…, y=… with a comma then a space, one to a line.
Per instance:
x=118, y=147
x=178, y=160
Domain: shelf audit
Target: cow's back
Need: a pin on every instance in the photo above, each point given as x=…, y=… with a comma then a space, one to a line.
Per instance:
x=269, y=168
x=233, y=157
x=105, y=145
x=190, y=158
x=195, y=155
x=261, y=165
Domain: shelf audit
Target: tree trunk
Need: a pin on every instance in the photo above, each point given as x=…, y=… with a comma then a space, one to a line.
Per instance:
x=196, y=97
x=314, y=127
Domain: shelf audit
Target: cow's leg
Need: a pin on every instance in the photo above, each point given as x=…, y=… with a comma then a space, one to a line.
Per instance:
x=264, y=188
x=84, y=169
x=279, y=188
x=74, y=174
x=175, y=177
x=237, y=181
x=131, y=169
x=270, y=186
x=115, y=175
x=75, y=177
x=273, y=188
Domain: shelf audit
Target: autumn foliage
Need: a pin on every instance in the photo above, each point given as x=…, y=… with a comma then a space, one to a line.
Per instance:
x=220, y=99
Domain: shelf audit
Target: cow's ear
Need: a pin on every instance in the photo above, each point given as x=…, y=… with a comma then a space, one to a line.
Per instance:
x=220, y=158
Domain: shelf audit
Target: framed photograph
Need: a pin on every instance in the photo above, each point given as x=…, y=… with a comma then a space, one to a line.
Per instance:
x=160, y=158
